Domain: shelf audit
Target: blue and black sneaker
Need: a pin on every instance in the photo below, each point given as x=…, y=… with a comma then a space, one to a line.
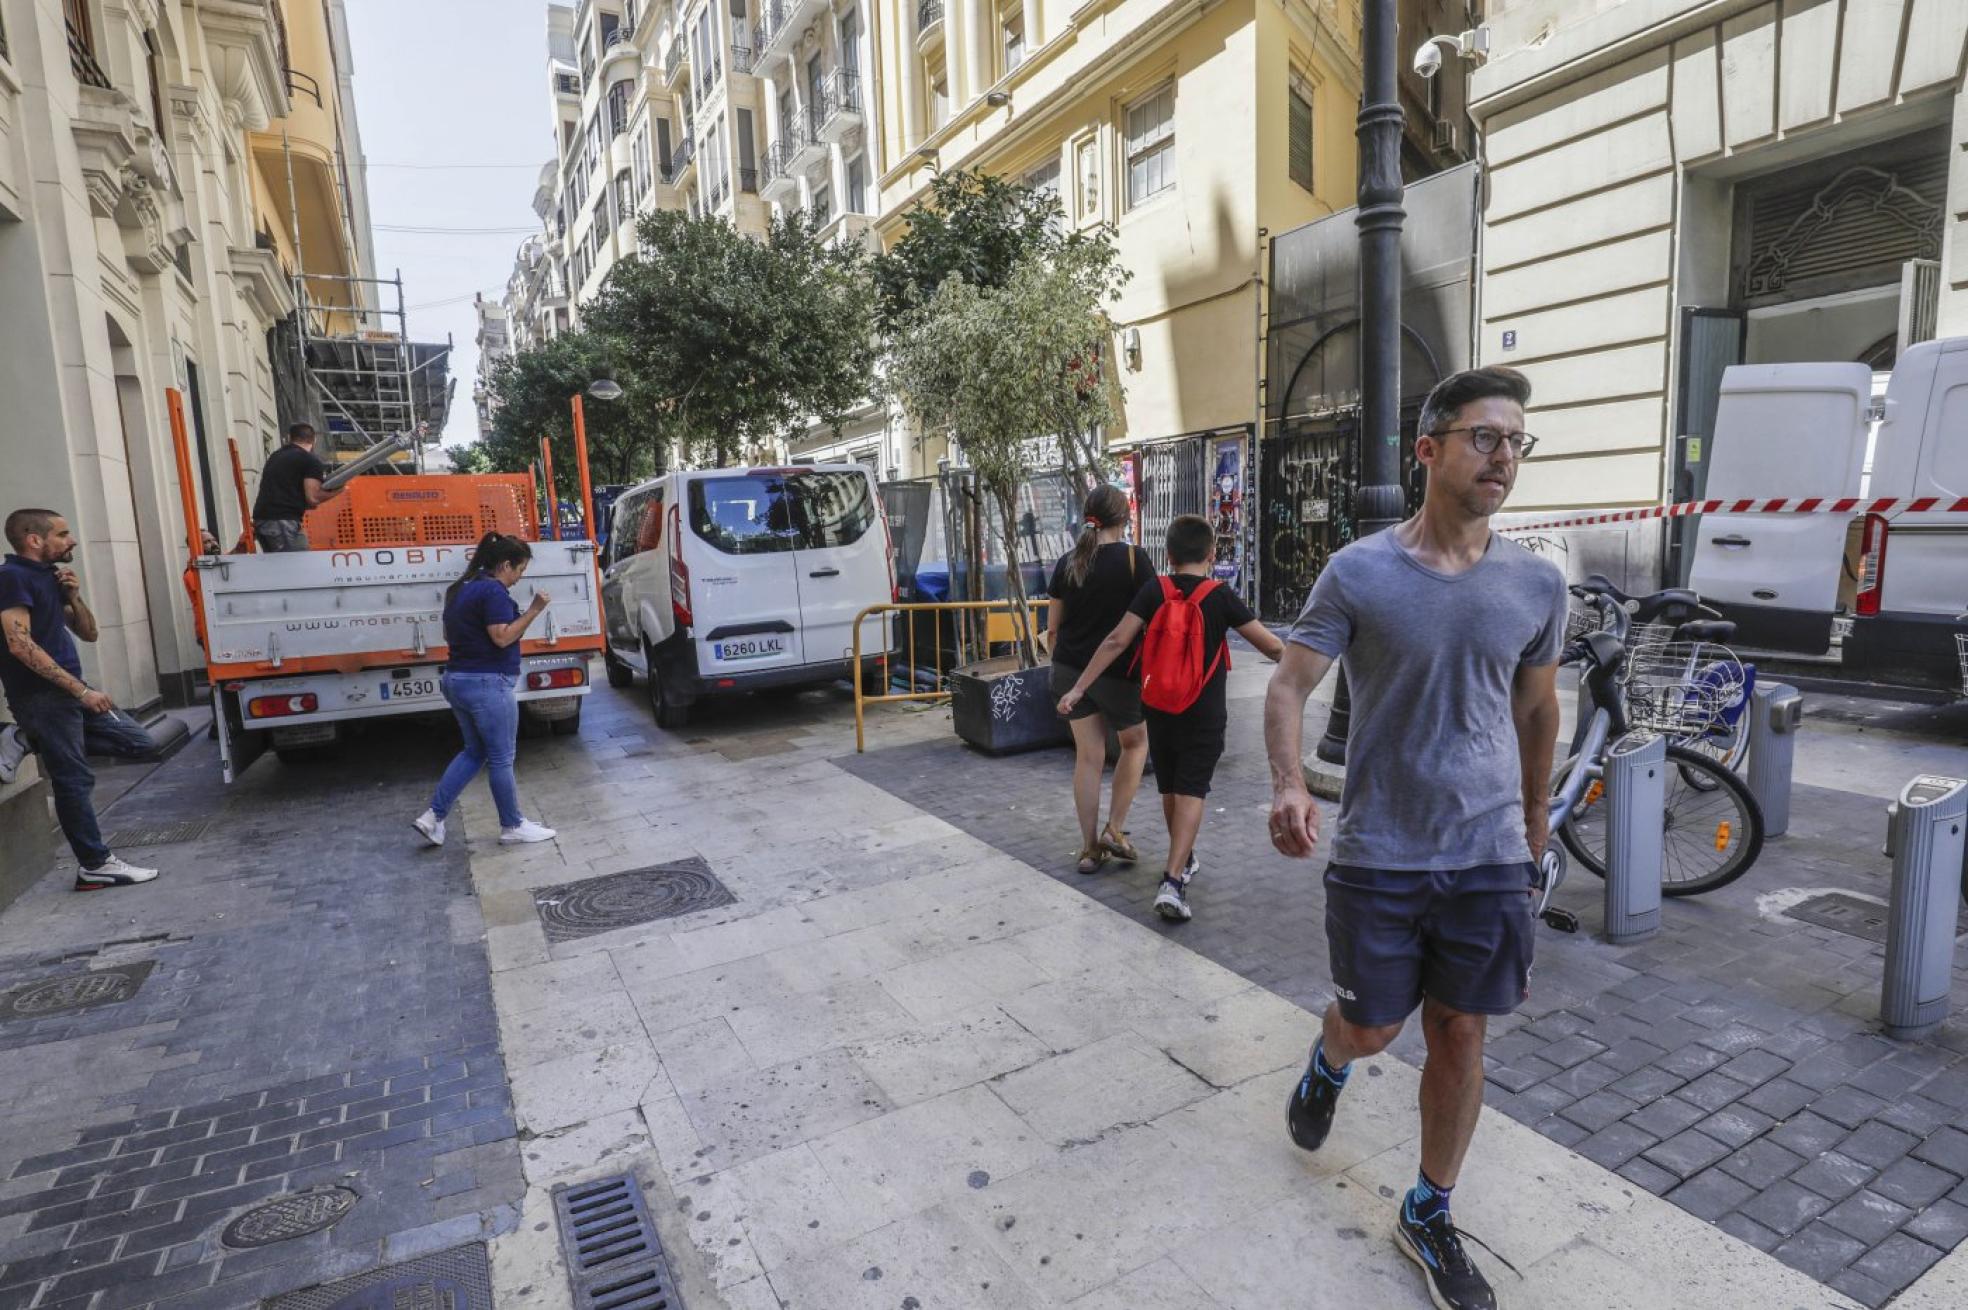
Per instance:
x=1454, y=1282
x=1314, y=1098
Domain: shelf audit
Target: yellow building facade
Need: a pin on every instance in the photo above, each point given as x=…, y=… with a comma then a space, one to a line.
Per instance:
x=1193, y=130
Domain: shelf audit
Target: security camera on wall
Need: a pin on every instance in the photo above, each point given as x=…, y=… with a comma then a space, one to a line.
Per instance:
x=1472, y=45
x=1428, y=60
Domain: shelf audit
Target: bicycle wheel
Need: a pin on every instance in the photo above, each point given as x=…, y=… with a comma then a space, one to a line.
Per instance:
x=1711, y=827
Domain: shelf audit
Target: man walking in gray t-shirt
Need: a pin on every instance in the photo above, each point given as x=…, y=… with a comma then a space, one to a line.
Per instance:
x=1451, y=636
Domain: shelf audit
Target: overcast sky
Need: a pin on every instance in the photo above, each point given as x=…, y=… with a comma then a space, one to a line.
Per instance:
x=442, y=83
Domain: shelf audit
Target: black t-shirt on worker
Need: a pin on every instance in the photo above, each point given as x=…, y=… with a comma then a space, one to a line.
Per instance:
x=283, y=484
x=1095, y=606
x=1223, y=610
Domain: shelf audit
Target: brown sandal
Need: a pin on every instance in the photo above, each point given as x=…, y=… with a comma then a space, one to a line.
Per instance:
x=1117, y=845
x=1092, y=860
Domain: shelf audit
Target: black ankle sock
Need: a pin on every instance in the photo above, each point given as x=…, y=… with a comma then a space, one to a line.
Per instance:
x=1427, y=1200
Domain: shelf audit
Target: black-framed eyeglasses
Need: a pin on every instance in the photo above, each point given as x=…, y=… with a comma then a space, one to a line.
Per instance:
x=1486, y=439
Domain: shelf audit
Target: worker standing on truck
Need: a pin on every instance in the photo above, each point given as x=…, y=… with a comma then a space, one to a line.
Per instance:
x=58, y=714
x=482, y=629
x=290, y=486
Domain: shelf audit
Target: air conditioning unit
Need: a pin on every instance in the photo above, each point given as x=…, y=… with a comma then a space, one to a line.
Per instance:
x=1447, y=139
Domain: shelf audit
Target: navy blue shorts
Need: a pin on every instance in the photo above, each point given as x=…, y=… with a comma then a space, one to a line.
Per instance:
x=1461, y=936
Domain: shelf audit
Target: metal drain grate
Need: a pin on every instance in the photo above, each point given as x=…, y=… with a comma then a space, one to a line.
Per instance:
x=75, y=991
x=157, y=834
x=574, y=910
x=1853, y=915
x=614, y=1257
x=288, y=1217
x=457, y=1279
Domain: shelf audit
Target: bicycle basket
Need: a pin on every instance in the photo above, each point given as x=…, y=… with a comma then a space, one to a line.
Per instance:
x=1683, y=688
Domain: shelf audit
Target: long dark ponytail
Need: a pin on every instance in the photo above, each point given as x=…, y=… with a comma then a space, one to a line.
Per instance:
x=494, y=549
x=1106, y=507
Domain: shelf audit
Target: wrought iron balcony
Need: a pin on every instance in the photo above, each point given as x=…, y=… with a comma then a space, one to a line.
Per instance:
x=741, y=59
x=839, y=110
x=929, y=13
x=675, y=61
x=681, y=160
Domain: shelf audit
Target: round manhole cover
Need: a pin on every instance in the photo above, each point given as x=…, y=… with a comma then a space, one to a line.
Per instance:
x=74, y=992
x=621, y=900
x=287, y=1217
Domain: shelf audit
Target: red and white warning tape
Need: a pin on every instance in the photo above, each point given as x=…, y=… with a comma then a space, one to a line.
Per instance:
x=1890, y=506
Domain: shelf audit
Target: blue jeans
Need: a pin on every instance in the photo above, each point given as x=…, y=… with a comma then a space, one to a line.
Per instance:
x=64, y=735
x=488, y=716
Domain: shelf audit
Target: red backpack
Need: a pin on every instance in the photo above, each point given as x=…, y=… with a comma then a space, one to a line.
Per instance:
x=1173, y=673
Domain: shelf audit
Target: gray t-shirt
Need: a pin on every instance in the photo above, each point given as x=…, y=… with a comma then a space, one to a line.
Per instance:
x=1433, y=779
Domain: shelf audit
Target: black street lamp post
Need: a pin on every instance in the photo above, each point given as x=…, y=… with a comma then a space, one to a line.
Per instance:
x=1378, y=502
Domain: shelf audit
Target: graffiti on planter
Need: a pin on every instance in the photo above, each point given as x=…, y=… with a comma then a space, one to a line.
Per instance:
x=1005, y=695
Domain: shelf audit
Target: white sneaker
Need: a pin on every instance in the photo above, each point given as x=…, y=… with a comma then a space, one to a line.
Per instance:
x=431, y=826
x=527, y=831
x=13, y=749
x=112, y=872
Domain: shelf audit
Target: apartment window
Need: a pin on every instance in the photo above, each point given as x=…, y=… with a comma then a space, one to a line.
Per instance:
x=663, y=145
x=624, y=196
x=1151, y=146
x=640, y=158
x=150, y=69
x=1044, y=181
x=850, y=41
x=747, y=153
x=857, y=185
x=1299, y=131
x=1014, y=41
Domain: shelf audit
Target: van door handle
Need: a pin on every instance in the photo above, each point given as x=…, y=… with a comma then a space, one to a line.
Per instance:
x=824, y=573
x=1731, y=540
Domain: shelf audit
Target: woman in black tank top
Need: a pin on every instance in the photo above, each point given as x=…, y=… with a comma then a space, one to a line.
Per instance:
x=1092, y=586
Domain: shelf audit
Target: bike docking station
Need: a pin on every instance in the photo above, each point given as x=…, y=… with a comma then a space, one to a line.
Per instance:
x=1929, y=839
x=1636, y=797
x=1775, y=712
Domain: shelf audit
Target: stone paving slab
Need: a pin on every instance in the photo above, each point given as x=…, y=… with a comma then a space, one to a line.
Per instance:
x=988, y=1153
x=1732, y=1064
x=317, y=1011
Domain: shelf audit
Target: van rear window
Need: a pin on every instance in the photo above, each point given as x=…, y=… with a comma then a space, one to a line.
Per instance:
x=760, y=513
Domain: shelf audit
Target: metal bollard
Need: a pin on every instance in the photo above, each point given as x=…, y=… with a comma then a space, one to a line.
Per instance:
x=1636, y=797
x=1775, y=712
x=1930, y=835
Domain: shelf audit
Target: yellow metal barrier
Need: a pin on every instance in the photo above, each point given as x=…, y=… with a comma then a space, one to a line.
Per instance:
x=992, y=623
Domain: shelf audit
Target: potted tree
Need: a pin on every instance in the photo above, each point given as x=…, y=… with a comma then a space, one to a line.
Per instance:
x=993, y=367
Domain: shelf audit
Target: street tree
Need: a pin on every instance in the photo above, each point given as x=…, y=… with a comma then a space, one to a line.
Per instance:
x=997, y=367
x=739, y=339
x=532, y=394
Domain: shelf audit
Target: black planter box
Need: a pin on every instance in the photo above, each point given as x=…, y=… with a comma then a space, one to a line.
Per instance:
x=1002, y=709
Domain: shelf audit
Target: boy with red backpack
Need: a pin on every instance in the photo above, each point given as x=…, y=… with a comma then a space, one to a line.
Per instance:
x=1185, y=659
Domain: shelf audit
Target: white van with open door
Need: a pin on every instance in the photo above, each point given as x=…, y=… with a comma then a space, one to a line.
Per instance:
x=1883, y=593
x=719, y=581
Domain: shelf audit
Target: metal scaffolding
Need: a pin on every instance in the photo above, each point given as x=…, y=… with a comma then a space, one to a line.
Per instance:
x=372, y=381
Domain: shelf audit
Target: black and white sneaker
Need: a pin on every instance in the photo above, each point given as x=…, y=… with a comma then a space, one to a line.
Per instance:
x=112, y=872
x=1309, y=1112
x=1454, y=1281
x=1172, y=901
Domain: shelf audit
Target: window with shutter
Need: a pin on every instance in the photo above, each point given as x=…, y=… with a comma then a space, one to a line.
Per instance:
x=1151, y=145
x=1299, y=147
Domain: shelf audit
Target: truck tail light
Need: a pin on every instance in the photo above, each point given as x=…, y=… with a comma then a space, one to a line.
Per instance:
x=679, y=571
x=280, y=707
x=542, y=679
x=1872, y=564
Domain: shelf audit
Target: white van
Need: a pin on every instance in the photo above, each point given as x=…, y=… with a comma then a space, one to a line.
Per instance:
x=718, y=581
x=1883, y=593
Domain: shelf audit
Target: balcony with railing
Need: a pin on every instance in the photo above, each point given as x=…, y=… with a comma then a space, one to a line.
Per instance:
x=741, y=59
x=839, y=110
x=929, y=21
x=682, y=160
x=781, y=177
x=675, y=61
x=780, y=24
x=748, y=181
x=567, y=84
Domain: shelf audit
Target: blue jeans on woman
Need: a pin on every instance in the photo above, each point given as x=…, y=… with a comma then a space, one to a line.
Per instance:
x=488, y=716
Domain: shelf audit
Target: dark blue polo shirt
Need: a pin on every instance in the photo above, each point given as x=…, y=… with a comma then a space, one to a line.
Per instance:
x=478, y=605
x=30, y=585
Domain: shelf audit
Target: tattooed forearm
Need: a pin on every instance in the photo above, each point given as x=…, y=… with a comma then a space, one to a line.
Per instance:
x=22, y=646
x=81, y=621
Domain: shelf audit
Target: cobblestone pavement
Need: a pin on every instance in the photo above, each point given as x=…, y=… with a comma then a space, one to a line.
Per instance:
x=1733, y=1064
x=316, y=1011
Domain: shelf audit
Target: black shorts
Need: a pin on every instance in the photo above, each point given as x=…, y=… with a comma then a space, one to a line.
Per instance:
x=1184, y=749
x=1462, y=936
x=1118, y=700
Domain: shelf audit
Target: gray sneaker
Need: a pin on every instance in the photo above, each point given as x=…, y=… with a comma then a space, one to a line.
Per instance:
x=1172, y=901
x=13, y=749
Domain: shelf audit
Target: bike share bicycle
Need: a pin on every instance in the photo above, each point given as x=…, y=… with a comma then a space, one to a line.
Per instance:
x=1712, y=827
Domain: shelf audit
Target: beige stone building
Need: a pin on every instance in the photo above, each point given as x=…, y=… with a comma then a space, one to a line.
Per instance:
x=143, y=246
x=1680, y=185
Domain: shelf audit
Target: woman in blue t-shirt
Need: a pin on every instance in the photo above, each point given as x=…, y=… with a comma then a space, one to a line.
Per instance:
x=482, y=626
